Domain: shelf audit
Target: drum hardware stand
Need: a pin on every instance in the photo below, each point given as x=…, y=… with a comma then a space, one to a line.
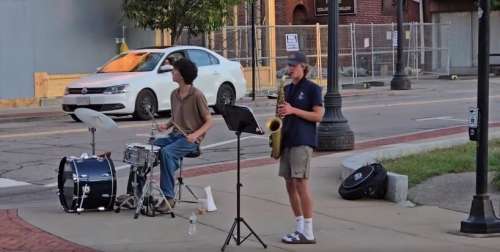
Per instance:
x=180, y=185
x=154, y=125
x=132, y=199
x=92, y=131
x=93, y=120
x=150, y=185
x=147, y=190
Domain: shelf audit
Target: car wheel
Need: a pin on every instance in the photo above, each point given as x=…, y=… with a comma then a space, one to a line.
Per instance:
x=225, y=95
x=145, y=99
x=74, y=117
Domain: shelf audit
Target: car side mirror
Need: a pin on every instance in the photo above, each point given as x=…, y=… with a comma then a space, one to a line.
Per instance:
x=165, y=68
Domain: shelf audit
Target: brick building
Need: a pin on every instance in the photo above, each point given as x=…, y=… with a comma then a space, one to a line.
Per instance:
x=300, y=12
x=352, y=11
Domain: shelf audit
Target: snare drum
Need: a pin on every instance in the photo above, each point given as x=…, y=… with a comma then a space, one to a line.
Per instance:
x=86, y=184
x=138, y=154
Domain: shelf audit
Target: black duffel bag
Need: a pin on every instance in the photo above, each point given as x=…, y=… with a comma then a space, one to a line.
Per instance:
x=368, y=181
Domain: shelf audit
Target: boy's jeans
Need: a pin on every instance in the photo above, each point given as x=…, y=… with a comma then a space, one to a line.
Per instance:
x=173, y=148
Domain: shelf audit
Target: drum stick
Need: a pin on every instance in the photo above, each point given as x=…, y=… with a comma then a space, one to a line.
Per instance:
x=182, y=131
x=179, y=128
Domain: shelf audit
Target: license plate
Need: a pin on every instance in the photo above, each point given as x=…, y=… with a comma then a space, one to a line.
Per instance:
x=83, y=100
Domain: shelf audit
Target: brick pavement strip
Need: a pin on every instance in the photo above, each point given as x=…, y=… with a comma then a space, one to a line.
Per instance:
x=18, y=235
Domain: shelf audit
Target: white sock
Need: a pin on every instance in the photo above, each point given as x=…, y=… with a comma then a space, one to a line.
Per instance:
x=308, y=229
x=299, y=224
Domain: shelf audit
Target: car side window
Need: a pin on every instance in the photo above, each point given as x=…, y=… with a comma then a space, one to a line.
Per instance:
x=213, y=59
x=200, y=58
x=175, y=56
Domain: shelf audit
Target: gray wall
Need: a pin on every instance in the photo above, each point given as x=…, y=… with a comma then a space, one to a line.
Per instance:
x=462, y=37
x=55, y=36
x=138, y=37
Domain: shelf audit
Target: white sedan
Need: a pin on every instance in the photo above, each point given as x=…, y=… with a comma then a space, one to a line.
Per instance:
x=139, y=79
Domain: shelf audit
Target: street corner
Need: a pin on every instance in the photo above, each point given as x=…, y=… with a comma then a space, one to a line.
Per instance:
x=18, y=235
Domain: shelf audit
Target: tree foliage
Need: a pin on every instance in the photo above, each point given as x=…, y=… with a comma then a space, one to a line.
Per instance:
x=495, y=4
x=198, y=16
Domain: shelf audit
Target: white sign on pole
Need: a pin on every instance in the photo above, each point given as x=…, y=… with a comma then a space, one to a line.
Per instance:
x=292, y=42
x=366, y=42
x=395, y=39
x=473, y=117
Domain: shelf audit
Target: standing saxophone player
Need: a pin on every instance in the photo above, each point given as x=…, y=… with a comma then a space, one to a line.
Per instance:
x=301, y=110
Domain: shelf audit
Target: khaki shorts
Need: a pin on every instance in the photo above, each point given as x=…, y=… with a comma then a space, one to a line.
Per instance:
x=295, y=162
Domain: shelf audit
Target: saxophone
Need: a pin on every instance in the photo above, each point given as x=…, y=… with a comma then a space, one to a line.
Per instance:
x=274, y=124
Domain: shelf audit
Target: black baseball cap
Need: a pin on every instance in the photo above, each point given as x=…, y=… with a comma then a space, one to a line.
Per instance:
x=296, y=58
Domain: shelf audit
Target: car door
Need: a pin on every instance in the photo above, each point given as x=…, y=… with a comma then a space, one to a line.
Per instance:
x=208, y=74
x=165, y=84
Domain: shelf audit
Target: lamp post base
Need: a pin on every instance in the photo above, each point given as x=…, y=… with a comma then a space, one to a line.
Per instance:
x=400, y=82
x=482, y=219
x=335, y=136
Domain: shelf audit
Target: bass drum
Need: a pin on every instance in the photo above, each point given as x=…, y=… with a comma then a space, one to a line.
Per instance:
x=91, y=179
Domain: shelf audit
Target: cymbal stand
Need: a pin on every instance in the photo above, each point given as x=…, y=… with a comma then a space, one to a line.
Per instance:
x=92, y=132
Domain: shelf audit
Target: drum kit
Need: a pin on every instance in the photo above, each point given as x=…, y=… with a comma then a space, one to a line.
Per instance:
x=88, y=183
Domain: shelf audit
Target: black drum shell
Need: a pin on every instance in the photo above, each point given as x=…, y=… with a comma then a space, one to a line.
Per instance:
x=97, y=173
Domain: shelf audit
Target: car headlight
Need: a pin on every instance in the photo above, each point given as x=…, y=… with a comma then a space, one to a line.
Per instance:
x=118, y=89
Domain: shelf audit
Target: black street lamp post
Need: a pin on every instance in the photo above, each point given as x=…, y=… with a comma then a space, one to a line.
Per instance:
x=334, y=133
x=400, y=81
x=482, y=218
x=253, y=49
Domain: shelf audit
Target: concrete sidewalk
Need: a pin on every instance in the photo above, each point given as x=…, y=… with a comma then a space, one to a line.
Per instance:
x=365, y=225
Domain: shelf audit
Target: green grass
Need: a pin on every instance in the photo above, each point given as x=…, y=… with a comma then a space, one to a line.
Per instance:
x=422, y=166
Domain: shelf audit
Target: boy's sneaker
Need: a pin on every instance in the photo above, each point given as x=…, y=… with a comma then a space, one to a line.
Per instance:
x=297, y=238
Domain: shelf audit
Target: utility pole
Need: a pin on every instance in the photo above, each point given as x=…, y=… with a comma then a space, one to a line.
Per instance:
x=253, y=49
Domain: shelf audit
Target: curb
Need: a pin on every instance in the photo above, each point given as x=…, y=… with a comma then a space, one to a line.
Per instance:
x=397, y=184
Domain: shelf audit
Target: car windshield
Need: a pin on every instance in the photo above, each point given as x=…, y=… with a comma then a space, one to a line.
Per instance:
x=132, y=62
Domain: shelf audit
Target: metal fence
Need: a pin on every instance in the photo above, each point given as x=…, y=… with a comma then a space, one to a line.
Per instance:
x=367, y=52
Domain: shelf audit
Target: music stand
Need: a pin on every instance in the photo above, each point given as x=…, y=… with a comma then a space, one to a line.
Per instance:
x=240, y=119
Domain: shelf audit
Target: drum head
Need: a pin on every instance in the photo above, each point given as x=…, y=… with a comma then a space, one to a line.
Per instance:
x=144, y=146
x=66, y=185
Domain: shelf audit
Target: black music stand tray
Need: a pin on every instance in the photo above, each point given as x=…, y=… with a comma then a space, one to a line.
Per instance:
x=240, y=119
